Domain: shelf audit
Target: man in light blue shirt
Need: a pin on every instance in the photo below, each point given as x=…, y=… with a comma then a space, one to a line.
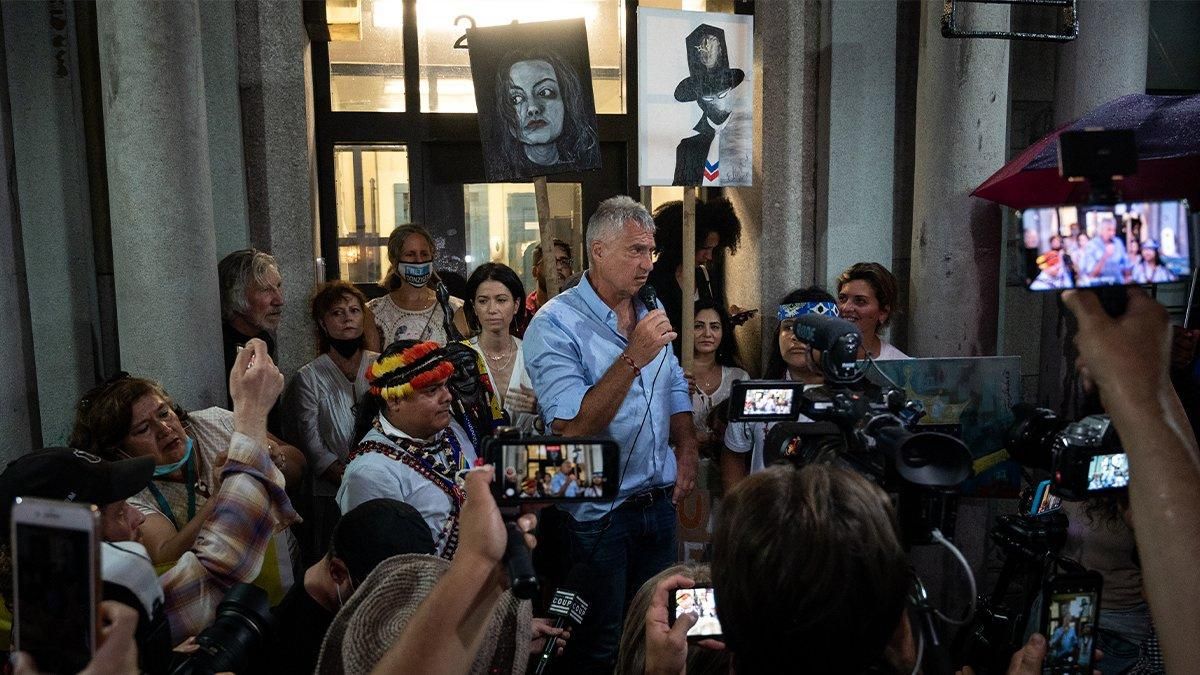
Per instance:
x=564, y=483
x=1105, y=258
x=600, y=365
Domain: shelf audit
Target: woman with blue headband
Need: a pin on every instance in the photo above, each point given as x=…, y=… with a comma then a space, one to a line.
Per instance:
x=791, y=360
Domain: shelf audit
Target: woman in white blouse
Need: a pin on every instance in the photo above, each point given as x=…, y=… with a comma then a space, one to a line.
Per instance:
x=715, y=368
x=495, y=304
x=411, y=309
x=319, y=402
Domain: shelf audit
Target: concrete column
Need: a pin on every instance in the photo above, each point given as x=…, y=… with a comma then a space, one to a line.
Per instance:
x=857, y=167
x=164, y=255
x=20, y=421
x=962, y=108
x=56, y=232
x=778, y=212
x=1092, y=69
x=274, y=66
x=219, y=43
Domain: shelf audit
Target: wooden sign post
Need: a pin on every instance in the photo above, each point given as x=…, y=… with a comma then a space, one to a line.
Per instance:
x=688, y=283
x=549, y=269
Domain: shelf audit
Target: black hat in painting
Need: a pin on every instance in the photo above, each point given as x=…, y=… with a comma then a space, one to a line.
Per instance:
x=708, y=63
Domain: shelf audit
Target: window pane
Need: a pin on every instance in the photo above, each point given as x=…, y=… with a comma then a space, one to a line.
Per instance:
x=368, y=75
x=446, y=72
x=373, y=197
x=502, y=223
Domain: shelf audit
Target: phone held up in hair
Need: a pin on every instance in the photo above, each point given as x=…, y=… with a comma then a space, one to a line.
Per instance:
x=698, y=600
x=1070, y=612
x=55, y=546
x=742, y=317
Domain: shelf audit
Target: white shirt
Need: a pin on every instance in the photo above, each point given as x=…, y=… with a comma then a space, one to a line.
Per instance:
x=319, y=414
x=888, y=352
x=397, y=323
x=752, y=436
x=373, y=475
x=519, y=377
x=702, y=403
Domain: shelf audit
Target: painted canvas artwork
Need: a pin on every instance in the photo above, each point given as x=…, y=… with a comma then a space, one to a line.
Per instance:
x=695, y=90
x=533, y=88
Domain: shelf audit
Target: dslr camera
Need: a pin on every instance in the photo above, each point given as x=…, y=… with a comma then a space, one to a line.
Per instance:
x=1084, y=458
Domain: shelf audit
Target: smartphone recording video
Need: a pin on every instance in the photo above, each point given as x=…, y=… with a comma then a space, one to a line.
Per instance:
x=1043, y=501
x=553, y=469
x=1108, y=472
x=764, y=401
x=55, y=546
x=1106, y=245
x=1069, y=616
x=701, y=602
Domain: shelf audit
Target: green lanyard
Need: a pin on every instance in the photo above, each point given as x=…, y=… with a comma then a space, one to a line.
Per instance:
x=189, y=483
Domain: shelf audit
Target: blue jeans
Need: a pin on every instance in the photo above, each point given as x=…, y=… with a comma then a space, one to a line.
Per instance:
x=626, y=547
x=1120, y=637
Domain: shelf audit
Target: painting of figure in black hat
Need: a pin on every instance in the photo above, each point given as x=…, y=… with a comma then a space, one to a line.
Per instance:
x=695, y=83
x=533, y=88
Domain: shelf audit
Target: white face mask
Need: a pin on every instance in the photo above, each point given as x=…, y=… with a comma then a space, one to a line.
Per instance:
x=417, y=274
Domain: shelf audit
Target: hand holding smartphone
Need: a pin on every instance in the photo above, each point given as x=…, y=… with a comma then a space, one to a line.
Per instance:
x=1070, y=614
x=55, y=546
x=698, y=600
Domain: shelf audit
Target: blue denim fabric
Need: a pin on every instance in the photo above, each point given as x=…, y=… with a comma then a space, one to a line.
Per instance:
x=625, y=548
x=1120, y=637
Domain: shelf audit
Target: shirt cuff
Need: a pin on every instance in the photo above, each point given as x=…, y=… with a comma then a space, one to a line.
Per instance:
x=249, y=457
x=680, y=402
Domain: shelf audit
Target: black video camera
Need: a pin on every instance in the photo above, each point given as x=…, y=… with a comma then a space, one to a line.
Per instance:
x=1085, y=458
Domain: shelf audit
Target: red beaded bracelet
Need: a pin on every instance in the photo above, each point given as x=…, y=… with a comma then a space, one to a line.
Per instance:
x=636, y=371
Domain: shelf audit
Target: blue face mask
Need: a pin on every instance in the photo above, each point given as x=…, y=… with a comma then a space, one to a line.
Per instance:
x=417, y=274
x=165, y=469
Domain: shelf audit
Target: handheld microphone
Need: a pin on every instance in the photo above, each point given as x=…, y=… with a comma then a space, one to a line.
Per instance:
x=567, y=606
x=838, y=341
x=649, y=297
x=443, y=298
x=519, y=563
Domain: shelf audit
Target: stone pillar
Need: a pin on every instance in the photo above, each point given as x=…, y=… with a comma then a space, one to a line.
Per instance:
x=962, y=108
x=1092, y=69
x=48, y=159
x=19, y=389
x=274, y=65
x=854, y=185
x=219, y=43
x=164, y=256
x=778, y=212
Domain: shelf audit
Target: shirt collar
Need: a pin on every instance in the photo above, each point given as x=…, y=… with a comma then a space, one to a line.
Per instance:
x=390, y=429
x=592, y=299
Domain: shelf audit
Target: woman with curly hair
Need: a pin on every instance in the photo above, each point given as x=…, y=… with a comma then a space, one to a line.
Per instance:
x=546, y=122
x=717, y=227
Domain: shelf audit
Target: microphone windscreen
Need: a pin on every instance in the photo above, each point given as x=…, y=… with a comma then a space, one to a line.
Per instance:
x=649, y=297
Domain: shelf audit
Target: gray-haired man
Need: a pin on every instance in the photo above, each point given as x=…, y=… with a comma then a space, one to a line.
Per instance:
x=599, y=364
x=251, y=307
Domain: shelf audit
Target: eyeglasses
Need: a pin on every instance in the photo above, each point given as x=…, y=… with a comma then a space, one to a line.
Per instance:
x=565, y=262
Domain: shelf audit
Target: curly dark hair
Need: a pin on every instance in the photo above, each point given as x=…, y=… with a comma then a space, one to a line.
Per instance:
x=715, y=215
x=578, y=142
x=494, y=272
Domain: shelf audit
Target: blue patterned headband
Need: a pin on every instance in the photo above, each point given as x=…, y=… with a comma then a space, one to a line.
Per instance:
x=795, y=309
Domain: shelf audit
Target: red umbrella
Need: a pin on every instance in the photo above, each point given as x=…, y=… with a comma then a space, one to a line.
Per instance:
x=1167, y=129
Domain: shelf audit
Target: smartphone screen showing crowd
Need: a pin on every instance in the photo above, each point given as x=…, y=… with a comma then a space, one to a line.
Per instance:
x=700, y=601
x=765, y=401
x=1070, y=611
x=56, y=548
x=1108, y=472
x=553, y=469
x=1097, y=245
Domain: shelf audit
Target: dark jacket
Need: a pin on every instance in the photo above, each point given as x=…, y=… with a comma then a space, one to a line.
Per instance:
x=691, y=153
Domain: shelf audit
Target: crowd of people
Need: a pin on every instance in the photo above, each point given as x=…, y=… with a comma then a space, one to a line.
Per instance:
x=358, y=497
